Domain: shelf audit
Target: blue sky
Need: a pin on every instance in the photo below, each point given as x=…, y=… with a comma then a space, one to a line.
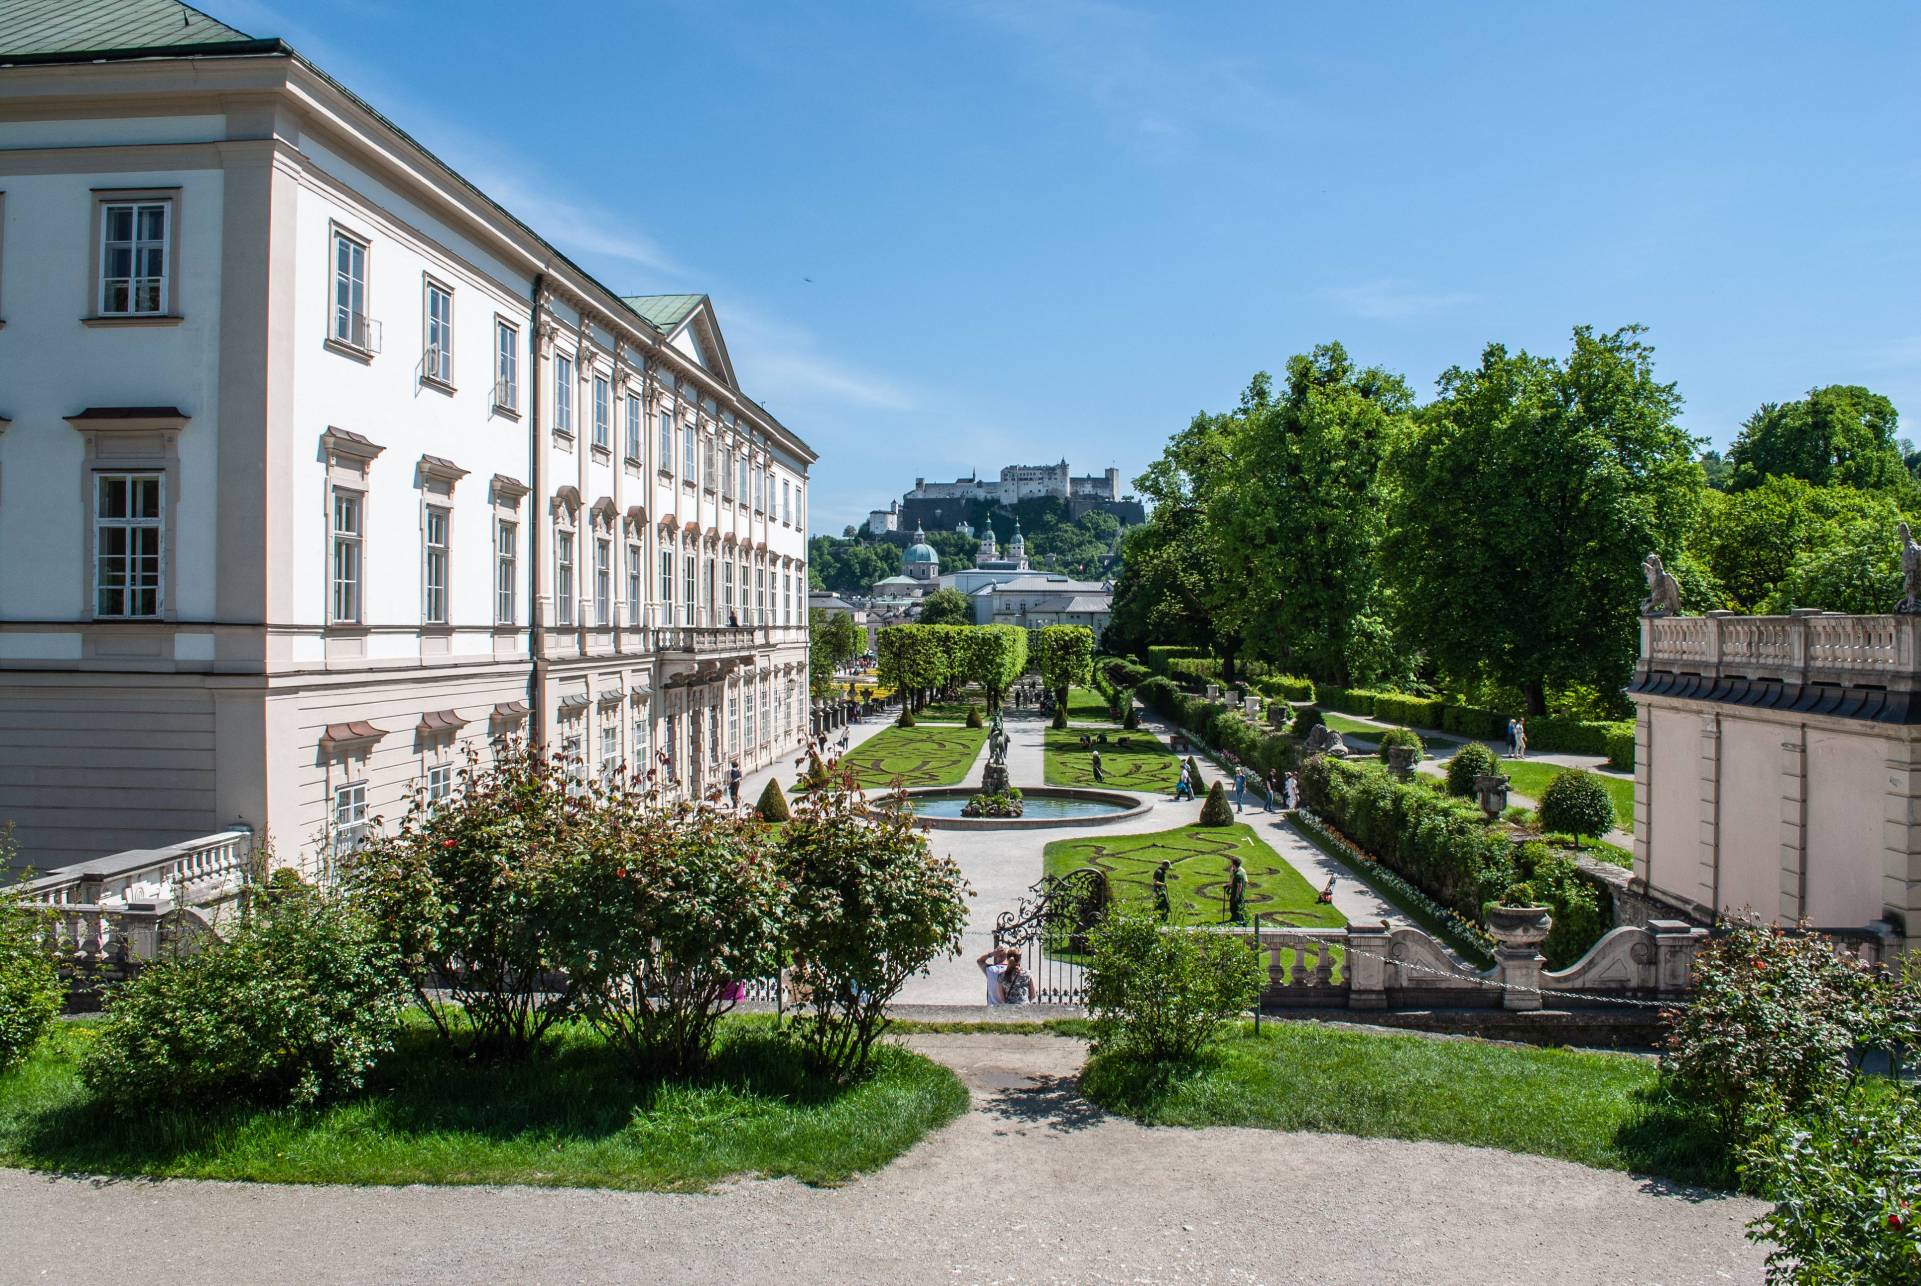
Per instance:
x=1038, y=230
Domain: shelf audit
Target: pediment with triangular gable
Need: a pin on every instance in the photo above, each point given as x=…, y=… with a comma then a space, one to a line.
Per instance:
x=689, y=325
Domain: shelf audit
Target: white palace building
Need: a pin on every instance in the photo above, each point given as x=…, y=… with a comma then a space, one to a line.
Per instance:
x=318, y=467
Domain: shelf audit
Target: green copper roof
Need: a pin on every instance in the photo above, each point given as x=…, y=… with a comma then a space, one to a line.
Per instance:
x=53, y=27
x=663, y=312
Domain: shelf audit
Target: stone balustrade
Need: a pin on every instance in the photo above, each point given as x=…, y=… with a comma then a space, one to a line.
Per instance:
x=1806, y=647
x=196, y=872
x=1381, y=966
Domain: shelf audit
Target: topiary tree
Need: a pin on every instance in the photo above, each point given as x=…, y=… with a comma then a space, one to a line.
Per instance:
x=1401, y=737
x=773, y=803
x=906, y=719
x=1470, y=761
x=1194, y=775
x=1132, y=719
x=974, y=719
x=1216, y=811
x=1577, y=803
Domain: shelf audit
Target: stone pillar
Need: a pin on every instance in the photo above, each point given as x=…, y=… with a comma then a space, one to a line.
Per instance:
x=1794, y=825
x=1709, y=840
x=1643, y=770
x=1901, y=840
x=1518, y=933
x=1366, y=965
x=1675, y=945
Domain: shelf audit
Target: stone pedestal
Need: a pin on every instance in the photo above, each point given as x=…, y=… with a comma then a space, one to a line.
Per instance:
x=994, y=779
x=1519, y=931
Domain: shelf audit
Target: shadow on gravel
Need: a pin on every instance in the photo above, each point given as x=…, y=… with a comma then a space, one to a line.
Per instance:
x=1052, y=1102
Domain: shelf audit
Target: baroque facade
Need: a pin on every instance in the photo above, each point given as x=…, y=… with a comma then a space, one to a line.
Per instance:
x=318, y=469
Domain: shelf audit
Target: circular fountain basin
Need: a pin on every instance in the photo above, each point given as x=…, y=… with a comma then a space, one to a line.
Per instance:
x=1043, y=806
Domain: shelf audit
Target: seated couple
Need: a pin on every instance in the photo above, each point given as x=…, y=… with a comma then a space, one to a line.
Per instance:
x=1007, y=982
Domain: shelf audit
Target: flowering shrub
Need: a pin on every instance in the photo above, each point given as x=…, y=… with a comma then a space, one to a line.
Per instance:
x=1769, y=1023
x=468, y=891
x=872, y=905
x=670, y=909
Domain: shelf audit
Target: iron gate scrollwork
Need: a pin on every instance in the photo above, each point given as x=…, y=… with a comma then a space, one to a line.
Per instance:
x=1050, y=928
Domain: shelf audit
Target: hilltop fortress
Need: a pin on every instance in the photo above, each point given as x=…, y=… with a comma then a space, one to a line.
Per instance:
x=945, y=505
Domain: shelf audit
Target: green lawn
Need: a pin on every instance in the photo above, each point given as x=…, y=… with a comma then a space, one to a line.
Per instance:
x=1594, y=1108
x=1370, y=732
x=1197, y=891
x=941, y=755
x=1088, y=706
x=1144, y=764
x=570, y=1118
x=1530, y=777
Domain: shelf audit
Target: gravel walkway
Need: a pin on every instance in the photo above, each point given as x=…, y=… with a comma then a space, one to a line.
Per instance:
x=1033, y=1185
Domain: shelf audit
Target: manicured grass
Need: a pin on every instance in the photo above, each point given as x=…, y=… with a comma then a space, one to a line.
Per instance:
x=941, y=755
x=1355, y=729
x=1530, y=777
x=570, y=1118
x=1084, y=705
x=1197, y=891
x=1145, y=763
x=1597, y=1109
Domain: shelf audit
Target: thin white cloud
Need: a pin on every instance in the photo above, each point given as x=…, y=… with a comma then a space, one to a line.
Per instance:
x=785, y=364
x=1393, y=300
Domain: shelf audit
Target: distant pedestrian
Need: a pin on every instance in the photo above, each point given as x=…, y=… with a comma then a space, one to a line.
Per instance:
x=733, y=785
x=1017, y=985
x=1183, y=788
x=1237, y=893
x=1099, y=776
x=1512, y=726
x=1162, y=874
x=1240, y=788
x=993, y=964
x=1267, y=787
x=1520, y=738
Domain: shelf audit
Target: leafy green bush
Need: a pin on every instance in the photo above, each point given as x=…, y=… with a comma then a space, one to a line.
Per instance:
x=31, y=993
x=671, y=908
x=1771, y=1022
x=1620, y=749
x=1285, y=687
x=1306, y=720
x=1845, y=1182
x=974, y=719
x=1158, y=658
x=773, y=803
x=1348, y=700
x=1577, y=804
x=1161, y=995
x=1401, y=737
x=1215, y=810
x=872, y=906
x=1470, y=761
x=295, y=1006
x=1552, y=734
x=468, y=893
x=1583, y=909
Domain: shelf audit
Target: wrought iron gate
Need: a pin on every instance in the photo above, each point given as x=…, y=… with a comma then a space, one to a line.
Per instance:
x=1050, y=928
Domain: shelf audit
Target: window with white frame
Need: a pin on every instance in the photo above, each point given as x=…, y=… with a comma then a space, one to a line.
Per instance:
x=707, y=461
x=438, y=364
x=727, y=473
x=603, y=582
x=506, y=365
x=767, y=481
x=633, y=427
x=750, y=713
x=670, y=749
x=760, y=595
x=634, y=576
x=707, y=586
x=687, y=609
x=350, y=323
x=733, y=723
x=128, y=534
x=746, y=616
x=349, y=535
x=435, y=572
x=506, y=571
x=727, y=589
x=609, y=745
x=563, y=394
x=641, y=763
x=787, y=597
x=350, y=816
x=689, y=456
x=603, y=413
x=564, y=576
x=786, y=508
x=440, y=784
x=573, y=758
x=666, y=462
x=666, y=586
x=135, y=245
x=713, y=734
x=741, y=483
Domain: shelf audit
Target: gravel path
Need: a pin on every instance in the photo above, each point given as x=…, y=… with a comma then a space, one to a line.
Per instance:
x=1033, y=1185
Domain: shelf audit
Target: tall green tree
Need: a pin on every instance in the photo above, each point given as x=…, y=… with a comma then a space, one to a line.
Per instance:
x=1749, y=539
x=994, y=656
x=946, y=607
x=1838, y=435
x=1521, y=508
x=1296, y=511
x=1066, y=658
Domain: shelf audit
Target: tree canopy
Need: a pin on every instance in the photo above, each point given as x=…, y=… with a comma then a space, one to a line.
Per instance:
x=1066, y=657
x=946, y=607
x=1839, y=434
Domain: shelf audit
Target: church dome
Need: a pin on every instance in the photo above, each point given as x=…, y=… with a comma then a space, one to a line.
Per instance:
x=919, y=554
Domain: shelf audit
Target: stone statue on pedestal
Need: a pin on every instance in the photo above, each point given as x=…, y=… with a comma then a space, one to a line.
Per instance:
x=1910, y=603
x=1664, y=592
x=994, y=779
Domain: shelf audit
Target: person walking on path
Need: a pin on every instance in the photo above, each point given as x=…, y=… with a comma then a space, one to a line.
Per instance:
x=1511, y=726
x=1183, y=789
x=733, y=785
x=1520, y=739
x=1267, y=787
x=1293, y=791
x=1099, y=776
x=1162, y=874
x=1240, y=788
x=1237, y=893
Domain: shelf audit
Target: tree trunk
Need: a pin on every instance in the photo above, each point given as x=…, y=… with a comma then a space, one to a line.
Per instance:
x=1535, y=691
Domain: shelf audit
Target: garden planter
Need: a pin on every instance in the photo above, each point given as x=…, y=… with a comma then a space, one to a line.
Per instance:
x=1400, y=760
x=1490, y=792
x=1520, y=928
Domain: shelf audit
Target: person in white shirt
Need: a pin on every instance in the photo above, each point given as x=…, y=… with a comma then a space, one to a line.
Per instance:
x=993, y=964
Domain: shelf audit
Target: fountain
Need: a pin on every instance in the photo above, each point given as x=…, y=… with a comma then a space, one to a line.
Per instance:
x=1040, y=806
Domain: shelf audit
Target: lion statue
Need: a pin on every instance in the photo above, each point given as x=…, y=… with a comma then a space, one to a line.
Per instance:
x=1664, y=592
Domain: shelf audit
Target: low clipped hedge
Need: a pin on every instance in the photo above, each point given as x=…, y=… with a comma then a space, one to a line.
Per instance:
x=1474, y=721
x=1160, y=657
x=1416, y=712
x=1285, y=687
x=1620, y=744
x=1549, y=734
x=1444, y=848
x=1123, y=673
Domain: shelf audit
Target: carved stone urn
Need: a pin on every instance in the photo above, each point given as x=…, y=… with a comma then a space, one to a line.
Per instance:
x=1520, y=928
x=1400, y=760
x=1490, y=792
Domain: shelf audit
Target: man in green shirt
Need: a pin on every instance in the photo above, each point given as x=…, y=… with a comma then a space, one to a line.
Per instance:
x=1237, y=893
x=1161, y=877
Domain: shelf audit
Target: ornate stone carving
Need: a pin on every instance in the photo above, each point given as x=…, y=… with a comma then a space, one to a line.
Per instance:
x=1664, y=592
x=1910, y=574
